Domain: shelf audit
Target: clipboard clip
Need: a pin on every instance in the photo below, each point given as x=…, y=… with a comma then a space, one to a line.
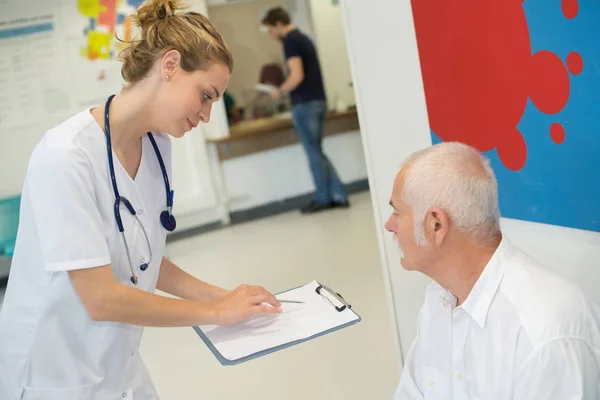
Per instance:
x=336, y=295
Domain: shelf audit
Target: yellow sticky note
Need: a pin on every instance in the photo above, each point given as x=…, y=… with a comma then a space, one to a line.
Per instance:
x=90, y=8
x=99, y=45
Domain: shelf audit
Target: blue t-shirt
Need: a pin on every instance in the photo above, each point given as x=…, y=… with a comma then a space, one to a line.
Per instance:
x=297, y=44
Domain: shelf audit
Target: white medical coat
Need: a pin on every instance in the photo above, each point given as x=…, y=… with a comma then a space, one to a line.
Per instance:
x=49, y=347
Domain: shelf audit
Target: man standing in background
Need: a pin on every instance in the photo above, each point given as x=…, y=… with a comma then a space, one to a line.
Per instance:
x=309, y=107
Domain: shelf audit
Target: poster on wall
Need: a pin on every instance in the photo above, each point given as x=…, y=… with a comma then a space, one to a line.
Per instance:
x=519, y=81
x=32, y=86
x=93, y=30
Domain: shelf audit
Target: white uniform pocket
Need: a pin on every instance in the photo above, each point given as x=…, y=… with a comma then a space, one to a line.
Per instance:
x=75, y=393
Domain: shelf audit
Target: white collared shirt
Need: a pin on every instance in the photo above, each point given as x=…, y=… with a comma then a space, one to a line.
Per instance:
x=49, y=347
x=523, y=333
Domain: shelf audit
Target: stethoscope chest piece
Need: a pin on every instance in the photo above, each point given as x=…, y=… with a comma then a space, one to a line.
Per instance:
x=168, y=221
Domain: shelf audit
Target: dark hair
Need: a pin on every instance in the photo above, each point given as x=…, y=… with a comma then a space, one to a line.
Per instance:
x=164, y=28
x=275, y=15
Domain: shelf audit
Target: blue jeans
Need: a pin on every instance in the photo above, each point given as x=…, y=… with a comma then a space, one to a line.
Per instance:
x=309, y=119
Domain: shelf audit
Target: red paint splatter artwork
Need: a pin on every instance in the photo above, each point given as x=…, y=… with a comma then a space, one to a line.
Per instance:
x=479, y=73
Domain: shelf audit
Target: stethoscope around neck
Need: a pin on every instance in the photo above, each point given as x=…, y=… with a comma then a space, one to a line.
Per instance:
x=167, y=219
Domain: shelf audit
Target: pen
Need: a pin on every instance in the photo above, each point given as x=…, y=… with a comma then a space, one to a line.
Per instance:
x=290, y=301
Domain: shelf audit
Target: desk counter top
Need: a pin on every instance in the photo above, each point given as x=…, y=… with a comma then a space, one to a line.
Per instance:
x=263, y=126
x=248, y=137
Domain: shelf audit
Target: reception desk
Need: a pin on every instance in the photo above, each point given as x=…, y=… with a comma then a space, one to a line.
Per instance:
x=249, y=137
x=258, y=135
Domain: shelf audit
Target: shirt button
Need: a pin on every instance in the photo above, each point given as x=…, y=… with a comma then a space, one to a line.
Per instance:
x=140, y=211
x=132, y=353
x=124, y=395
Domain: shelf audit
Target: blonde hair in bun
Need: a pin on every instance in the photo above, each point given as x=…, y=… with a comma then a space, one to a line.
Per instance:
x=165, y=27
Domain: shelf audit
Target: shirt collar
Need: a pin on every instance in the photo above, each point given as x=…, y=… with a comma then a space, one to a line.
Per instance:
x=478, y=303
x=480, y=299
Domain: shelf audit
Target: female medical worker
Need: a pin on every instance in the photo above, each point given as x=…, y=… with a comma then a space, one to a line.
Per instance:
x=96, y=206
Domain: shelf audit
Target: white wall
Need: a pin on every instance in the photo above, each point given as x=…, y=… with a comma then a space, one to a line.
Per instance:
x=282, y=173
x=392, y=111
x=301, y=16
x=333, y=53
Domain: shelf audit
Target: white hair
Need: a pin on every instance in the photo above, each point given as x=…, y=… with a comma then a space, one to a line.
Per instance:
x=457, y=179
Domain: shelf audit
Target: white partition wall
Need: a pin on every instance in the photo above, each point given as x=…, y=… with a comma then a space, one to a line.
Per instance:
x=393, y=120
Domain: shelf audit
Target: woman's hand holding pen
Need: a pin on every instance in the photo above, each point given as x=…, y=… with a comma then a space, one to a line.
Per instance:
x=243, y=303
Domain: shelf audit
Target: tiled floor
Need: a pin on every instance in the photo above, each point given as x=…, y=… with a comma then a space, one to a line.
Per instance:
x=338, y=248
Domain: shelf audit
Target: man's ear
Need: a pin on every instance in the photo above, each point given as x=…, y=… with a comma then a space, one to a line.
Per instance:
x=437, y=225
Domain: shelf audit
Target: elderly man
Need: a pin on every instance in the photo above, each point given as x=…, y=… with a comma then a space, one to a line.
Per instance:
x=495, y=324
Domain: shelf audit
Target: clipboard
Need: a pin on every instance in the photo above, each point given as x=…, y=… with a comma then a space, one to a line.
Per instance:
x=325, y=311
